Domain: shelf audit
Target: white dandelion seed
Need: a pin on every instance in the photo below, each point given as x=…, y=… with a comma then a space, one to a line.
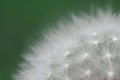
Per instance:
x=58, y=56
x=110, y=74
x=94, y=33
x=85, y=55
x=87, y=72
x=95, y=42
x=108, y=55
x=114, y=38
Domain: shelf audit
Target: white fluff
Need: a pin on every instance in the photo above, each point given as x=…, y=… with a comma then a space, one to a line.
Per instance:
x=86, y=48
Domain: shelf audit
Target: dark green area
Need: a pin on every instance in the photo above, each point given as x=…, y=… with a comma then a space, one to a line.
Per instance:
x=21, y=19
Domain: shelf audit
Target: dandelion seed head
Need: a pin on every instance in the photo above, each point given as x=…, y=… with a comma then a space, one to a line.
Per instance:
x=73, y=53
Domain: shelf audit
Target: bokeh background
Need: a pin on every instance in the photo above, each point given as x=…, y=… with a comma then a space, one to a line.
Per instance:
x=20, y=20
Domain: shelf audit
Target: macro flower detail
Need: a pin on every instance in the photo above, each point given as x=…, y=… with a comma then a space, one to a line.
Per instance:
x=87, y=48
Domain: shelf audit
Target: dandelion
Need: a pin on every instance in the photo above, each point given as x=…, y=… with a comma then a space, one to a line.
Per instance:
x=67, y=54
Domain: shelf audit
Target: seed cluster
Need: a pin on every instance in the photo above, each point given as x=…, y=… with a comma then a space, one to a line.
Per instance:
x=94, y=59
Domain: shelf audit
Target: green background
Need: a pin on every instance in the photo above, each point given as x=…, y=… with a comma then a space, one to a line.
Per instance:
x=20, y=20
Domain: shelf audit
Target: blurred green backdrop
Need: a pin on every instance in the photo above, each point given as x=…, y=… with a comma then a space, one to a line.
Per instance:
x=21, y=19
